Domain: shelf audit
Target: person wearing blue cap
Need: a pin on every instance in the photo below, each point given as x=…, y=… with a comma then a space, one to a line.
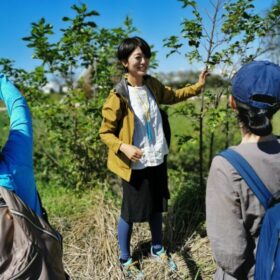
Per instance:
x=233, y=212
x=16, y=163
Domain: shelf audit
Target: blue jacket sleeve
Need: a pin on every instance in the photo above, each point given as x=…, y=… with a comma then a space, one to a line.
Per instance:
x=18, y=148
x=17, y=163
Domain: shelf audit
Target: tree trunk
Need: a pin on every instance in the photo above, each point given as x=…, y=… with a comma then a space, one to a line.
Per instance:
x=211, y=146
x=227, y=128
x=201, y=141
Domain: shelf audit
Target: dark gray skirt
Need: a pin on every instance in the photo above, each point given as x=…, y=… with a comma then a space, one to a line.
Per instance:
x=146, y=193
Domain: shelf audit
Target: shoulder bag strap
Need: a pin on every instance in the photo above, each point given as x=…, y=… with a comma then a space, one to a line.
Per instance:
x=249, y=175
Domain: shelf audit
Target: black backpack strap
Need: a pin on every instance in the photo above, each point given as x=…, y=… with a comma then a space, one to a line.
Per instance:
x=44, y=211
x=166, y=126
x=249, y=175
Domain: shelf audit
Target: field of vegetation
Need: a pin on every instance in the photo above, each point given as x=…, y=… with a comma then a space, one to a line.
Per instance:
x=81, y=196
x=88, y=219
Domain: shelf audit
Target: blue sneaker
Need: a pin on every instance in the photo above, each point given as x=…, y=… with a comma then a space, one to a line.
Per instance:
x=163, y=257
x=131, y=270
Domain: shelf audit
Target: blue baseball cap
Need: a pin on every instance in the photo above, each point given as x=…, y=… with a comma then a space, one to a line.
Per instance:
x=257, y=84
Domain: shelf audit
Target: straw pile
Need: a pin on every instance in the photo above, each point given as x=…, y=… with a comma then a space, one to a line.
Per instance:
x=91, y=249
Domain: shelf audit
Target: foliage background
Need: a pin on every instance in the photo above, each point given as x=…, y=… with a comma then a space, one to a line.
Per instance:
x=70, y=160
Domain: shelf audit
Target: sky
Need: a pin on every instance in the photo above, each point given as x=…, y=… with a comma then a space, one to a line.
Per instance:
x=155, y=19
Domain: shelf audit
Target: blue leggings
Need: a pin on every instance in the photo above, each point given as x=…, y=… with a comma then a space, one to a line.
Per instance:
x=125, y=231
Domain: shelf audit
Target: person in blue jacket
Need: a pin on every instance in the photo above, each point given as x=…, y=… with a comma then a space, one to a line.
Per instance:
x=16, y=163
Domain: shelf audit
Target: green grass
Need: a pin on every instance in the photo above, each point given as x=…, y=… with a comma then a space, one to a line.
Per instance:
x=61, y=202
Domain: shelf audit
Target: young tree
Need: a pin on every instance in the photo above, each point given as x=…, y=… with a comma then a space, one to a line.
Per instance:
x=272, y=41
x=222, y=38
x=68, y=150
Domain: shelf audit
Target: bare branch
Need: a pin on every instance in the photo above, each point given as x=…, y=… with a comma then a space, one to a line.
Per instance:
x=217, y=7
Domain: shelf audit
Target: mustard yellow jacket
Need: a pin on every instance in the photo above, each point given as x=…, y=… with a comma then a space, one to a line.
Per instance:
x=118, y=118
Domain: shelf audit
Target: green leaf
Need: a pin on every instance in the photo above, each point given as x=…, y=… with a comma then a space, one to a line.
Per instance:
x=66, y=19
x=187, y=3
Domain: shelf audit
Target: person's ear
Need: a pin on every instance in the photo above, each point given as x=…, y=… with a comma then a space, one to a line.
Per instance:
x=232, y=103
x=125, y=63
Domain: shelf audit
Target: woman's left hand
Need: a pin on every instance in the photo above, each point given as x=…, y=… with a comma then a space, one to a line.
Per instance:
x=203, y=75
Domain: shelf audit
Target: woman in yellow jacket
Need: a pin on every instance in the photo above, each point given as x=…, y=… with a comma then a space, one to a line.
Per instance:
x=132, y=129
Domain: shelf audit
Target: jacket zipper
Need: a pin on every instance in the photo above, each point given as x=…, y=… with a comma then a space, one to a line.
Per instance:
x=34, y=225
x=25, y=269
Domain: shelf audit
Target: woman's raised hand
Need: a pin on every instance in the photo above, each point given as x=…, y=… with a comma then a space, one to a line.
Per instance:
x=203, y=75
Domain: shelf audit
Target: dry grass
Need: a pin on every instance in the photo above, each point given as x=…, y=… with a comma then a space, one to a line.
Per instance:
x=91, y=249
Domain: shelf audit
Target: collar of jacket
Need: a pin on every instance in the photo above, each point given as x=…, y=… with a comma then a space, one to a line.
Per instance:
x=122, y=88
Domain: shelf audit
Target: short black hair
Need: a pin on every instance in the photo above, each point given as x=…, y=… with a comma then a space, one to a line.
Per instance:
x=128, y=45
x=256, y=120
